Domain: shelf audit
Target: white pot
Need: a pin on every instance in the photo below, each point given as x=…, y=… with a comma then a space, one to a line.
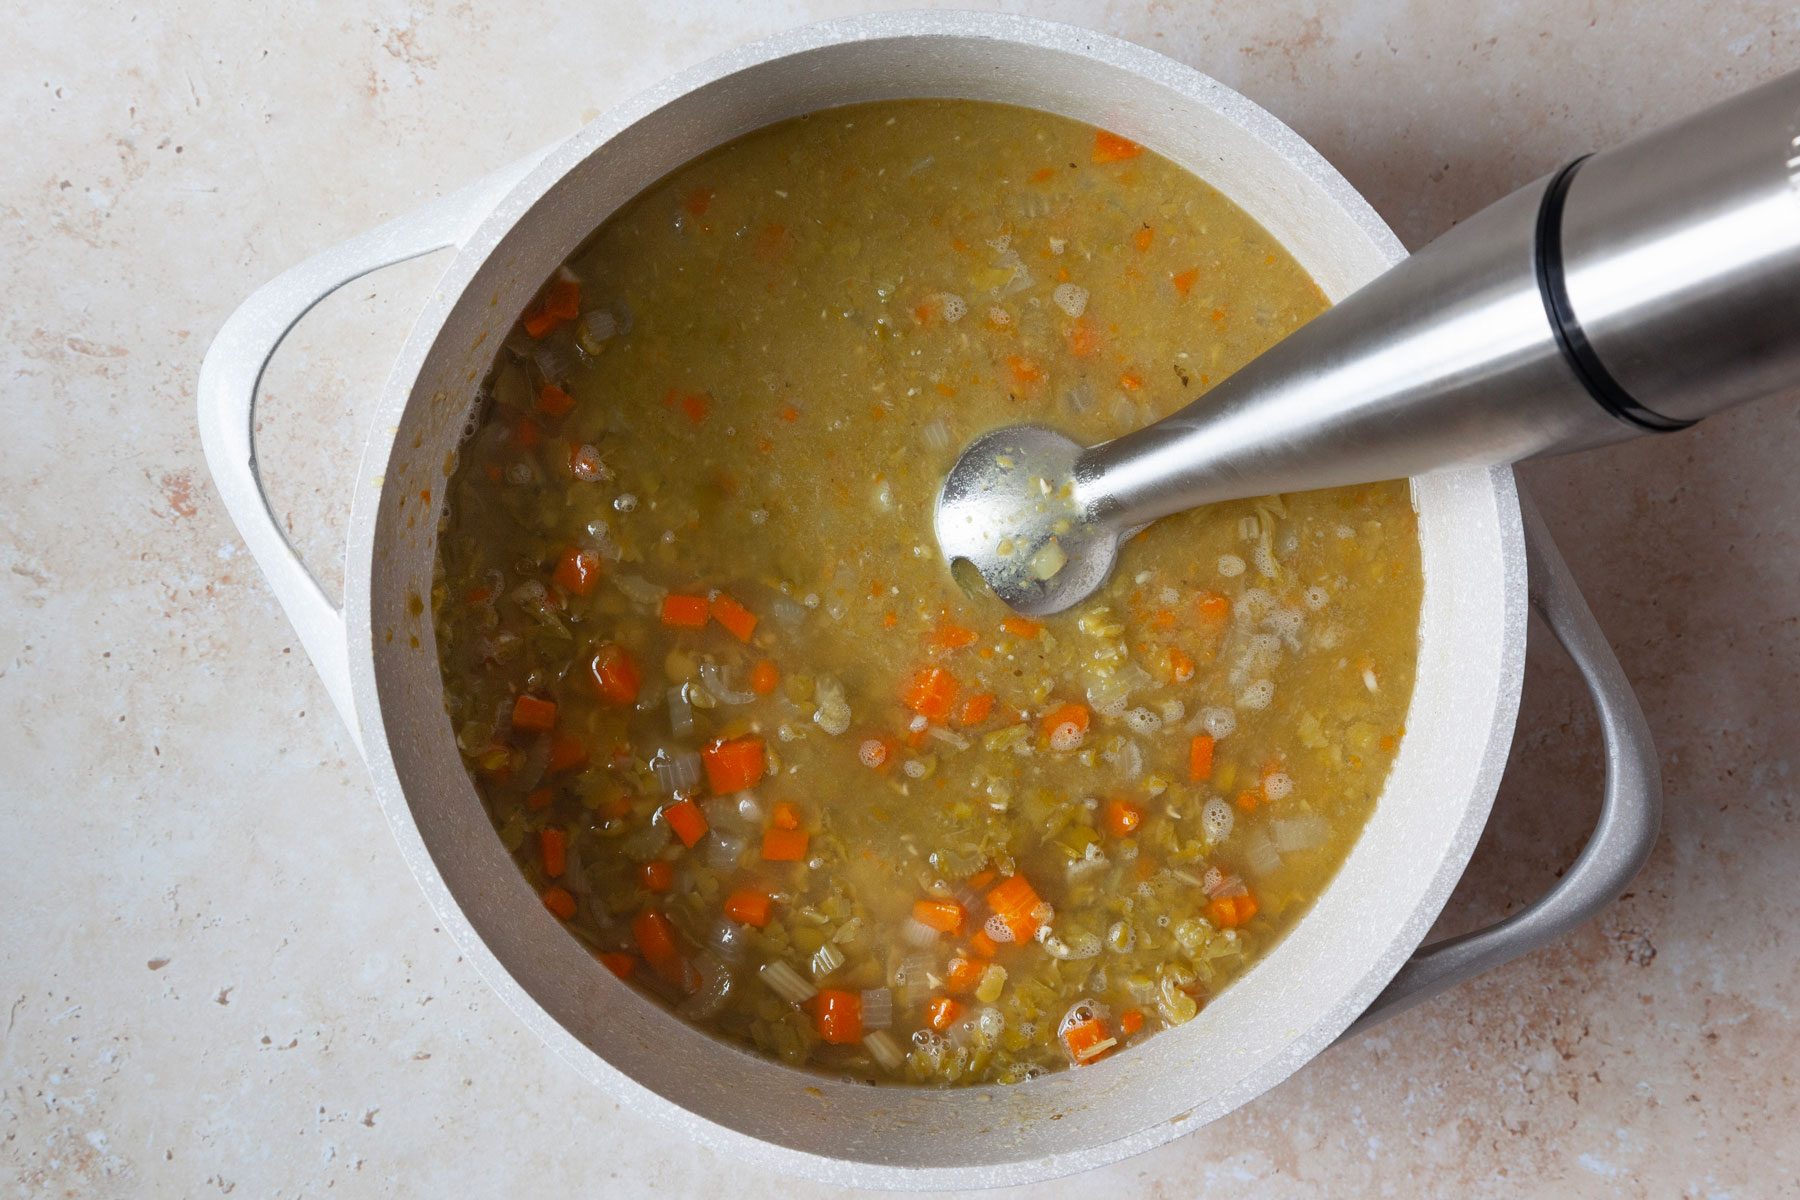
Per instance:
x=514, y=228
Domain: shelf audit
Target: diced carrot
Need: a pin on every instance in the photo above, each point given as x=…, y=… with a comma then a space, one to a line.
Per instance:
x=688, y=612
x=526, y=432
x=695, y=405
x=1162, y=619
x=982, y=944
x=765, y=677
x=657, y=875
x=735, y=764
x=698, y=201
x=539, y=800
x=785, y=845
x=560, y=304
x=1123, y=818
x=1131, y=381
x=1143, y=237
x=1016, y=903
x=838, y=1015
x=566, y=753
x=553, y=849
x=1200, y=758
x=1213, y=609
x=1021, y=627
x=1043, y=174
x=948, y=635
x=618, y=962
x=1084, y=339
x=534, y=715
x=657, y=942
x=560, y=901
x=478, y=596
x=790, y=414
x=1181, y=664
x=749, y=906
x=1063, y=718
x=1024, y=372
x=975, y=709
x=1248, y=799
x=1130, y=1021
x=1088, y=1041
x=930, y=692
x=1111, y=148
x=785, y=816
x=941, y=1012
x=1184, y=280
x=577, y=571
x=1228, y=912
x=552, y=401
x=963, y=974
x=738, y=621
x=686, y=819
x=945, y=916
x=615, y=674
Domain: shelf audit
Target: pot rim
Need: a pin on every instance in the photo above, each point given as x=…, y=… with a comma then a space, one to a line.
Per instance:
x=399, y=394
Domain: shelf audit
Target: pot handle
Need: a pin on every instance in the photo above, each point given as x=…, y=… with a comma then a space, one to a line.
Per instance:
x=1630, y=811
x=233, y=368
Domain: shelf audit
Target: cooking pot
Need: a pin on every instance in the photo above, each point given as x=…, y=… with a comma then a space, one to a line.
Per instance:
x=1349, y=962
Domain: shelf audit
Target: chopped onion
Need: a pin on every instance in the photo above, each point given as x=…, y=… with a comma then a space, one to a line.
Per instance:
x=936, y=434
x=825, y=960
x=716, y=982
x=1299, y=833
x=749, y=808
x=639, y=590
x=912, y=971
x=883, y=1049
x=713, y=676
x=681, y=713
x=676, y=772
x=915, y=932
x=945, y=735
x=729, y=938
x=833, y=711
x=787, y=612
x=1260, y=854
x=724, y=851
x=877, y=1008
x=1221, y=883
x=787, y=983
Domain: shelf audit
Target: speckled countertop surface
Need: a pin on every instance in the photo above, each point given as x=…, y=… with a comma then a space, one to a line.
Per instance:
x=215, y=974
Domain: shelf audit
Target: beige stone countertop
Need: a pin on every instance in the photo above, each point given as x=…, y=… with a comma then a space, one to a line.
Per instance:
x=216, y=976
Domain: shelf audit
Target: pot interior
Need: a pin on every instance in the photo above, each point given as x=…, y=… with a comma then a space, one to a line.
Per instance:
x=1288, y=1007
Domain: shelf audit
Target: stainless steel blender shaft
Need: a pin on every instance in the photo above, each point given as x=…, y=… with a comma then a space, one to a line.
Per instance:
x=1631, y=292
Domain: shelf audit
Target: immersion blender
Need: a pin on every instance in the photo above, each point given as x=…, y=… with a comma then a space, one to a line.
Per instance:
x=1631, y=292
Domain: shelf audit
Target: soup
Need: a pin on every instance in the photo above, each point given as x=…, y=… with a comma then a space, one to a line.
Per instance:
x=727, y=706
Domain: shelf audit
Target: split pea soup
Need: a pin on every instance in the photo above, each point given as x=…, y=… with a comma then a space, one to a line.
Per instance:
x=726, y=705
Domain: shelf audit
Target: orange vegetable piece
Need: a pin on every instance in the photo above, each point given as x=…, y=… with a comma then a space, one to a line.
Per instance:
x=688, y=612
x=1130, y=1021
x=838, y=1015
x=1023, y=370
x=526, y=432
x=749, y=906
x=1123, y=817
x=1111, y=148
x=657, y=875
x=941, y=1012
x=785, y=816
x=732, y=766
x=657, y=942
x=980, y=943
x=950, y=636
x=738, y=621
x=1066, y=715
x=695, y=405
x=1016, y=903
x=566, y=753
x=1213, y=609
x=765, y=677
x=618, y=962
x=698, y=201
x=560, y=304
x=945, y=916
x=534, y=715
x=1200, y=758
x=785, y=845
x=930, y=693
x=1143, y=237
x=560, y=901
x=1084, y=339
x=686, y=819
x=553, y=848
x=1228, y=912
x=540, y=799
x=963, y=975
x=1087, y=1041
x=1021, y=627
x=1043, y=174
x=615, y=674
x=975, y=709
x=1181, y=665
x=552, y=401
x=1184, y=280
x=1248, y=800
x=577, y=571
